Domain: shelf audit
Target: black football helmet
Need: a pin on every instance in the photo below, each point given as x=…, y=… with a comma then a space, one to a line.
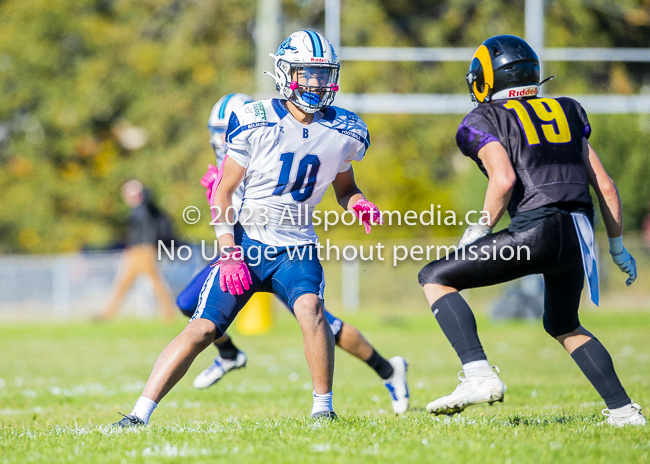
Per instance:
x=504, y=66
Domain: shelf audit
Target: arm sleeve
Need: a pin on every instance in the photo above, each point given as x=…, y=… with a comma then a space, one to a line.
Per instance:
x=474, y=133
x=237, y=142
x=358, y=154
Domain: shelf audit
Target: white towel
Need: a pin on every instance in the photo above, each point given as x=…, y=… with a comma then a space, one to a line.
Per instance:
x=586, y=237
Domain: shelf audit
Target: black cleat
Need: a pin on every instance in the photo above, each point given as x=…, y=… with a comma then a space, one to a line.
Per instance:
x=329, y=415
x=130, y=420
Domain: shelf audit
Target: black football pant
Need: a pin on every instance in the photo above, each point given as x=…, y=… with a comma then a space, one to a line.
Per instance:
x=551, y=248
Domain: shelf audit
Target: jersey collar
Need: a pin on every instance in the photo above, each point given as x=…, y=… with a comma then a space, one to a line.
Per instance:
x=279, y=108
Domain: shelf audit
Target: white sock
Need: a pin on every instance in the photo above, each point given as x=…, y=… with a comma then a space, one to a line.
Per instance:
x=322, y=403
x=143, y=408
x=623, y=411
x=477, y=369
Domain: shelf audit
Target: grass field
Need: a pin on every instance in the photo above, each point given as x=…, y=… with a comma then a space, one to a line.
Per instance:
x=62, y=384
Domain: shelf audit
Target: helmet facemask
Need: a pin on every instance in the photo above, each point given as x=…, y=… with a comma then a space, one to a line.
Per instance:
x=217, y=140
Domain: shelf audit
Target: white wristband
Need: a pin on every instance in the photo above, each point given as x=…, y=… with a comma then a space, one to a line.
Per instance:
x=616, y=245
x=224, y=228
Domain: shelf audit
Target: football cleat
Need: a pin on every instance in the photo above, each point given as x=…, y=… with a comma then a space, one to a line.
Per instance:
x=218, y=369
x=325, y=415
x=130, y=420
x=472, y=390
x=397, y=385
x=633, y=417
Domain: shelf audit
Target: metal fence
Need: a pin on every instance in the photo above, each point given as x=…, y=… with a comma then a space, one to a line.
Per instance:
x=78, y=285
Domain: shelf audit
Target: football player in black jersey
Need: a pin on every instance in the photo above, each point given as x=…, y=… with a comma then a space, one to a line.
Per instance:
x=539, y=165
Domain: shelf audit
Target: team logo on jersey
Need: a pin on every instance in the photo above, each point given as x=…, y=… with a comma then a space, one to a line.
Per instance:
x=258, y=109
x=285, y=45
x=351, y=117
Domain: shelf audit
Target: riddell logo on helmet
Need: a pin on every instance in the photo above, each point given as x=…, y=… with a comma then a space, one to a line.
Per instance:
x=319, y=60
x=527, y=92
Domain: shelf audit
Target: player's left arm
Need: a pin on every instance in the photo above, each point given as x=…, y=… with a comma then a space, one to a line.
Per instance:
x=350, y=197
x=610, y=210
x=346, y=190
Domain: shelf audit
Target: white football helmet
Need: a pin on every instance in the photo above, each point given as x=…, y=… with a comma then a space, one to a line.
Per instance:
x=220, y=115
x=306, y=70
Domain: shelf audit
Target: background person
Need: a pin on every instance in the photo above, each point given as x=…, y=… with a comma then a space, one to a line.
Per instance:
x=147, y=224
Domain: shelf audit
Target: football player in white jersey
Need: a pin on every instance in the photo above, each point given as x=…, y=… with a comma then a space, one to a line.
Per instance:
x=287, y=152
x=347, y=337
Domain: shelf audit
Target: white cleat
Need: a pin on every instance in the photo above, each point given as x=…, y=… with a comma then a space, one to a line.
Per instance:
x=397, y=386
x=473, y=390
x=633, y=417
x=218, y=369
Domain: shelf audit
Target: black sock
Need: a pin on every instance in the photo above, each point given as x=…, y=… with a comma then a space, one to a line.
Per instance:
x=596, y=364
x=380, y=365
x=459, y=326
x=227, y=350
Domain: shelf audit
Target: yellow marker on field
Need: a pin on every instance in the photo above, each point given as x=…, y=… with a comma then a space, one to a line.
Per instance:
x=255, y=317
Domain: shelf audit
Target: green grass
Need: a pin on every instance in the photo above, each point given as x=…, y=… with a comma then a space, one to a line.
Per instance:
x=63, y=383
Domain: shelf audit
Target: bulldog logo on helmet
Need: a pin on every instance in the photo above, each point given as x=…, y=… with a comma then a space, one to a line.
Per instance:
x=285, y=45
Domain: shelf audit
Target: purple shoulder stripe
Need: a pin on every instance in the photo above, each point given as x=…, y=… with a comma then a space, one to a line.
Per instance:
x=470, y=140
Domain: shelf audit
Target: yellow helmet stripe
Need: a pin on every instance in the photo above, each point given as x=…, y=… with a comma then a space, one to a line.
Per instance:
x=483, y=55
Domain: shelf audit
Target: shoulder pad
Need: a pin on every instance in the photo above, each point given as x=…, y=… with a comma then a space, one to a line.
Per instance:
x=340, y=118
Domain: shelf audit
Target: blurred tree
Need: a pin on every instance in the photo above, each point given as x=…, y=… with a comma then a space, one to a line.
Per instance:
x=99, y=91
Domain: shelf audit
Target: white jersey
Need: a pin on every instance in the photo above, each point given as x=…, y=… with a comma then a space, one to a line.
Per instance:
x=289, y=166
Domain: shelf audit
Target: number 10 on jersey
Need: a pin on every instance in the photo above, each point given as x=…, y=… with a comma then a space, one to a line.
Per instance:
x=300, y=191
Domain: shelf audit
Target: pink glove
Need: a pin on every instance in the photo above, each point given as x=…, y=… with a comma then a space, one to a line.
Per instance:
x=234, y=276
x=209, y=179
x=368, y=213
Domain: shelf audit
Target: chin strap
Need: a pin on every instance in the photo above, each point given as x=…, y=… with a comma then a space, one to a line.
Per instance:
x=547, y=79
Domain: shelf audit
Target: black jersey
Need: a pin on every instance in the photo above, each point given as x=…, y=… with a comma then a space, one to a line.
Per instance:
x=543, y=138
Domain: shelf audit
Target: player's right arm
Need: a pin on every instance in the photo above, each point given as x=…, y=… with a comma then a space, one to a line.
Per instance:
x=610, y=209
x=233, y=175
x=501, y=180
